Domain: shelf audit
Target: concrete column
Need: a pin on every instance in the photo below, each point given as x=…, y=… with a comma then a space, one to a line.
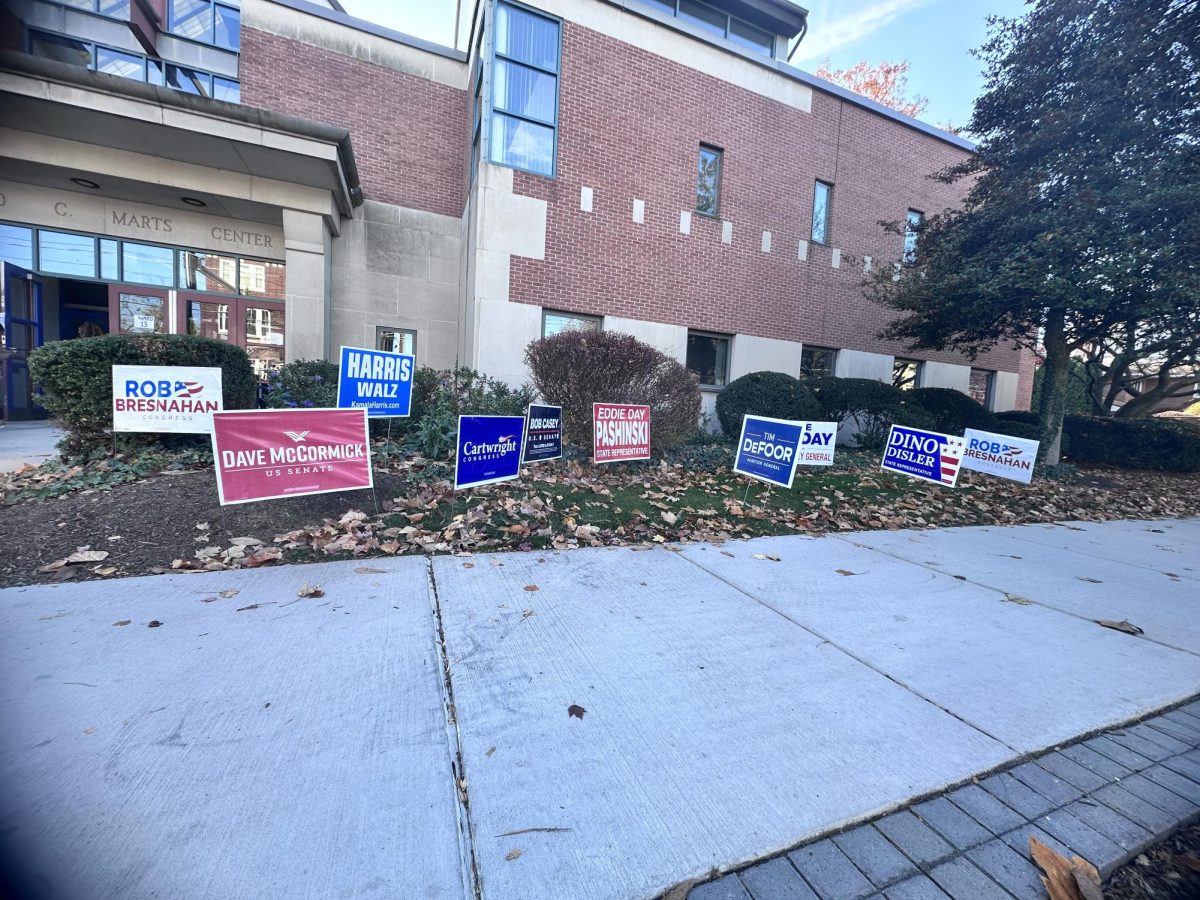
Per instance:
x=307, y=243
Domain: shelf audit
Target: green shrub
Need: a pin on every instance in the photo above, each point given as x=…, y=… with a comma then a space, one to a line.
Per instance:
x=1019, y=430
x=1024, y=416
x=303, y=383
x=74, y=380
x=953, y=411
x=574, y=369
x=771, y=394
x=441, y=396
x=1133, y=443
x=871, y=407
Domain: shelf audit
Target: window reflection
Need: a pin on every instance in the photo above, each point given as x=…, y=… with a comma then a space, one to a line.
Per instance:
x=141, y=314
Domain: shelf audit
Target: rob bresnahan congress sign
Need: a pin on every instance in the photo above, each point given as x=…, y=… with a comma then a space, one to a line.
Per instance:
x=377, y=381
x=770, y=449
x=543, y=433
x=923, y=454
x=489, y=449
x=174, y=399
x=621, y=432
x=261, y=454
x=999, y=454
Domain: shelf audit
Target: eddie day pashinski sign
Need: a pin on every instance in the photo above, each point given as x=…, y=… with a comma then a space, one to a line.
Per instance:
x=165, y=399
x=376, y=380
x=926, y=455
x=620, y=432
x=263, y=454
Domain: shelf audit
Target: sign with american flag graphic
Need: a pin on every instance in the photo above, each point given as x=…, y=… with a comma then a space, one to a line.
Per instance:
x=926, y=455
x=168, y=399
x=1000, y=454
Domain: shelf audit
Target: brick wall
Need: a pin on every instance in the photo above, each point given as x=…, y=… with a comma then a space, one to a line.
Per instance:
x=407, y=131
x=630, y=127
x=1028, y=367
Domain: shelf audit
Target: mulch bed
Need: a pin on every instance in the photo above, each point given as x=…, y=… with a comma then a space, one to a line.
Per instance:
x=1167, y=871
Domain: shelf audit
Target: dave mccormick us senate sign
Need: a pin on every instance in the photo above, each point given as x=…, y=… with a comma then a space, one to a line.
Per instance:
x=262, y=454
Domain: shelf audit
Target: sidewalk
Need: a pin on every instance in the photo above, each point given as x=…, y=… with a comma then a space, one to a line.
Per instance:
x=26, y=442
x=735, y=705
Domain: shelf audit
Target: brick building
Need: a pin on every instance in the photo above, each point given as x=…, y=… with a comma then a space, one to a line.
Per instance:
x=281, y=175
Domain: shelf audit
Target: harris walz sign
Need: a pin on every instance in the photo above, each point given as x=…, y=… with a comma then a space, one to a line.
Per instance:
x=543, y=433
x=377, y=381
x=263, y=454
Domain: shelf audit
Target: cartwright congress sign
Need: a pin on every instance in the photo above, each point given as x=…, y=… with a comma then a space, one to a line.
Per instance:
x=262, y=454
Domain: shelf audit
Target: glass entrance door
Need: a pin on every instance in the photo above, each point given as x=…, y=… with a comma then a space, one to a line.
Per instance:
x=137, y=309
x=256, y=326
x=22, y=334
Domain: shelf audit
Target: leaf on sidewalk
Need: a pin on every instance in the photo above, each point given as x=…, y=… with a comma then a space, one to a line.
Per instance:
x=1089, y=580
x=122, y=622
x=532, y=588
x=1073, y=879
x=768, y=556
x=1124, y=625
x=370, y=570
x=576, y=711
x=310, y=590
x=846, y=572
x=512, y=854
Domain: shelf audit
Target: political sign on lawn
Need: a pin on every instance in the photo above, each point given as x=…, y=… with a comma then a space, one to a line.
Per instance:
x=174, y=399
x=923, y=454
x=543, y=433
x=770, y=449
x=489, y=449
x=620, y=432
x=377, y=381
x=1000, y=454
x=262, y=454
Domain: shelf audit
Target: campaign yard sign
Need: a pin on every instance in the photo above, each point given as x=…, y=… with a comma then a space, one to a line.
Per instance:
x=923, y=454
x=620, y=432
x=489, y=449
x=543, y=433
x=170, y=399
x=1000, y=454
x=771, y=449
x=263, y=454
x=377, y=381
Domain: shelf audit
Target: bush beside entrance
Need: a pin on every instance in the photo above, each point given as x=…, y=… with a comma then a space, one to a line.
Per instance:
x=74, y=378
x=771, y=394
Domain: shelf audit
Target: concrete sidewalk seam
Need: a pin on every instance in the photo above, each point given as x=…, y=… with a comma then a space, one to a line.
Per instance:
x=849, y=539
x=848, y=653
x=466, y=827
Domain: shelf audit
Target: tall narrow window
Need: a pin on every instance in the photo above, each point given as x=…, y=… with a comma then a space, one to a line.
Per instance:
x=525, y=90
x=395, y=340
x=817, y=362
x=708, y=181
x=980, y=387
x=912, y=230
x=708, y=357
x=906, y=374
x=822, y=193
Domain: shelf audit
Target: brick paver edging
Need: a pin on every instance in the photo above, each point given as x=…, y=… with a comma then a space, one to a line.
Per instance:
x=1105, y=798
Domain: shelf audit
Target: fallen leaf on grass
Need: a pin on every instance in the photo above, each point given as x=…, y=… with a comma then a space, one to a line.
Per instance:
x=769, y=556
x=512, y=854
x=1073, y=879
x=1089, y=580
x=310, y=590
x=153, y=623
x=122, y=622
x=670, y=518
x=576, y=711
x=370, y=570
x=1124, y=625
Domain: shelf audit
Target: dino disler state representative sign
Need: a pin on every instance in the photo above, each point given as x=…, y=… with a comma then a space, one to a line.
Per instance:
x=262, y=454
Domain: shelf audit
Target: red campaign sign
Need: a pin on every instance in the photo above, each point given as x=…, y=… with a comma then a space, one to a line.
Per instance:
x=621, y=432
x=263, y=454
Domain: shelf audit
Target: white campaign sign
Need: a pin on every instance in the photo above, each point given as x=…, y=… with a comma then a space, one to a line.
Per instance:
x=172, y=399
x=1000, y=454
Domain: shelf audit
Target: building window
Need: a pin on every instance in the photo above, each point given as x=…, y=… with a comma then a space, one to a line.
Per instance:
x=261, y=278
x=206, y=22
x=906, y=374
x=817, y=362
x=822, y=192
x=60, y=253
x=708, y=357
x=555, y=322
x=147, y=264
x=719, y=24
x=396, y=340
x=114, y=9
x=980, y=387
x=912, y=230
x=211, y=272
x=16, y=245
x=708, y=181
x=524, y=116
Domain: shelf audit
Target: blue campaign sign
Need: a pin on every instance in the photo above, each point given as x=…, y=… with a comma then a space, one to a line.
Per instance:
x=377, y=381
x=543, y=433
x=489, y=449
x=926, y=455
x=768, y=449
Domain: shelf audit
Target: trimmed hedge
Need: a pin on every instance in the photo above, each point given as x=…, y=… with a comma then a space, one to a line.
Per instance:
x=74, y=377
x=302, y=383
x=1133, y=443
x=772, y=394
x=574, y=369
x=953, y=411
x=871, y=406
x=441, y=396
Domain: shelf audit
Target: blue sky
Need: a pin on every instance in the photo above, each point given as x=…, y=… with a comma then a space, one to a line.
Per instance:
x=935, y=36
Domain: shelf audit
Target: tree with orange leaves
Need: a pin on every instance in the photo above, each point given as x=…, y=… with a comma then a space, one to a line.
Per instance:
x=886, y=84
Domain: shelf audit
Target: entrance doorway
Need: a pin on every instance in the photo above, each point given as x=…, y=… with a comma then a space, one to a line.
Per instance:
x=22, y=334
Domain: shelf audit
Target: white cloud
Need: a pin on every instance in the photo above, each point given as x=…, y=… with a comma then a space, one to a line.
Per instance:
x=834, y=24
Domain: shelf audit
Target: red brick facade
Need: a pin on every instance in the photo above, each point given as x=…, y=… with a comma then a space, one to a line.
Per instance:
x=407, y=131
x=631, y=124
